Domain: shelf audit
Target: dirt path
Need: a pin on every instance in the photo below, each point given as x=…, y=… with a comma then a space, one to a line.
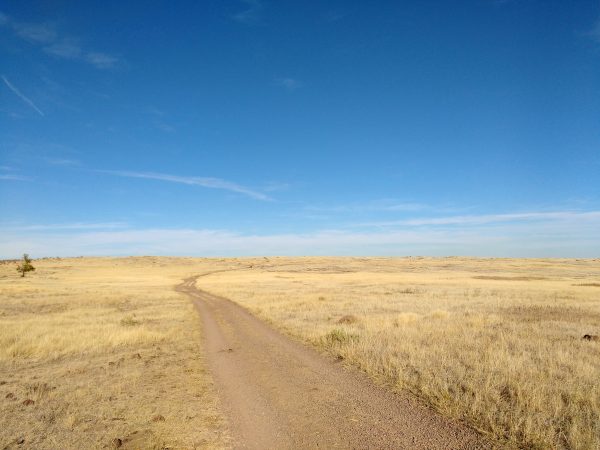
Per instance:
x=279, y=394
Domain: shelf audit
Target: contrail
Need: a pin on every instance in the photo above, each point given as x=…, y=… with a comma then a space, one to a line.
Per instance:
x=22, y=97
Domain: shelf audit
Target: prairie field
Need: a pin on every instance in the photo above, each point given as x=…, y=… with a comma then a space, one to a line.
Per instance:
x=102, y=353
x=495, y=342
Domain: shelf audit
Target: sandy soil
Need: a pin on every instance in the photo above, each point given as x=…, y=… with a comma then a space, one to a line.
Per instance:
x=278, y=393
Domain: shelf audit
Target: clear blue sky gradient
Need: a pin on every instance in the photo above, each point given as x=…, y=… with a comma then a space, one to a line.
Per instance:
x=300, y=127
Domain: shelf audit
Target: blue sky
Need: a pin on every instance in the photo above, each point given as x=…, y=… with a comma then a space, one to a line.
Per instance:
x=300, y=127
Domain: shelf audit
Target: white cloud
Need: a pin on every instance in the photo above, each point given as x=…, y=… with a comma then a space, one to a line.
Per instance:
x=62, y=162
x=570, y=235
x=12, y=177
x=67, y=49
x=213, y=183
x=371, y=206
x=67, y=226
x=488, y=219
x=54, y=44
x=22, y=96
x=36, y=33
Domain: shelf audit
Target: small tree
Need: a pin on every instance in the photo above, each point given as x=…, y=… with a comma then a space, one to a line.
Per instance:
x=25, y=265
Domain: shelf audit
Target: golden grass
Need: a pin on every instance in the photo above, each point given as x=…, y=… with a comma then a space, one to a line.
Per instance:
x=496, y=342
x=106, y=350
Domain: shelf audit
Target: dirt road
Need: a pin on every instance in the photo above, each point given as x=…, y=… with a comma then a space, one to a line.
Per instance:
x=279, y=394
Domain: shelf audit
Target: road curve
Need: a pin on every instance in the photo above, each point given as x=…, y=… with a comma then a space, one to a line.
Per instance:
x=279, y=394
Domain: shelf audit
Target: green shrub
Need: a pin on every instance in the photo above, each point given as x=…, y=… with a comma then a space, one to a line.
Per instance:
x=25, y=265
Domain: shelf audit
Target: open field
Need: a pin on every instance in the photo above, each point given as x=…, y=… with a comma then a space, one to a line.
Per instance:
x=106, y=350
x=496, y=342
x=98, y=349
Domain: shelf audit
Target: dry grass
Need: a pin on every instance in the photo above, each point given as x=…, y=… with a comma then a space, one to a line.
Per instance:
x=495, y=342
x=103, y=347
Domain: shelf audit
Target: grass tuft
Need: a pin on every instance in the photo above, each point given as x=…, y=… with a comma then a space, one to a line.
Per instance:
x=130, y=321
x=337, y=337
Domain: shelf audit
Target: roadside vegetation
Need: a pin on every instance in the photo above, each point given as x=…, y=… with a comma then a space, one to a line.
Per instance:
x=102, y=353
x=495, y=342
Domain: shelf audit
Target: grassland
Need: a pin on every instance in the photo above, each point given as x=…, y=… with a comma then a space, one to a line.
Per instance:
x=101, y=353
x=93, y=350
x=496, y=342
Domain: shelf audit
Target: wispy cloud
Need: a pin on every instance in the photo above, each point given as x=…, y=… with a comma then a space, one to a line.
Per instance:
x=207, y=182
x=22, y=96
x=63, y=162
x=101, y=60
x=291, y=84
x=275, y=186
x=384, y=205
x=36, y=33
x=159, y=119
x=67, y=49
x=68, y=226
x=552, y=237
x=8, y=174
x=13, y=177
x=53, y=43
x=251, y=14
x=469, y=220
